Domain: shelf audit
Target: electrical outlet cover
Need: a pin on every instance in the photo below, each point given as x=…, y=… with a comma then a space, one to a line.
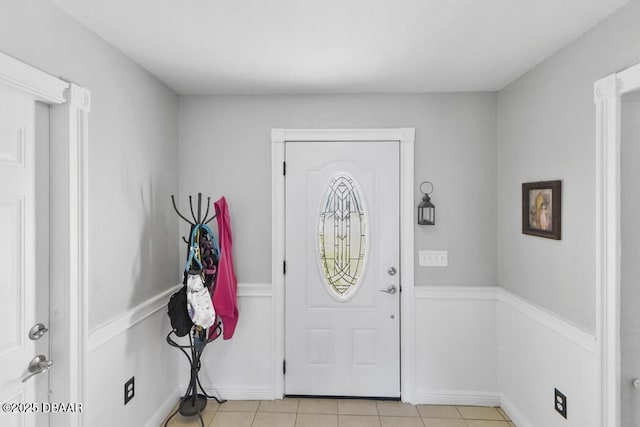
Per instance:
x=129, y=390
x=560, y=403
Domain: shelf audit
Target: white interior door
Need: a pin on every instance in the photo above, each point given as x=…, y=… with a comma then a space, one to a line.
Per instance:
x=629, y=266
x=19, y=261
x=342, y=258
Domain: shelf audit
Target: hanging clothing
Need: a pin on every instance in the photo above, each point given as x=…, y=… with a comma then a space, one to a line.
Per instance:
x=199, y=304
x=224, y=296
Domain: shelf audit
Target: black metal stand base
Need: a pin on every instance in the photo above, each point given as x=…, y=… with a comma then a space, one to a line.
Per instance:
x=192, y=405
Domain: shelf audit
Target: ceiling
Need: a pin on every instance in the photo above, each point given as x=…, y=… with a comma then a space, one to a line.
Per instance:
x=338, y=46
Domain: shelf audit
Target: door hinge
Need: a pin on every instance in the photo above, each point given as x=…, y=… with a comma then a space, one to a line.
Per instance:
x=284, y=168
x=284, y=267
x=284, y=367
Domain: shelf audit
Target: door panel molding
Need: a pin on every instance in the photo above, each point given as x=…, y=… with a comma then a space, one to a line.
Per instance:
x=406, y=138
x=70, y=105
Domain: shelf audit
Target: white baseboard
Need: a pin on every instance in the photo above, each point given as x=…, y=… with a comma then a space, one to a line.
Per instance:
x=164, y=410
x=455, y=397
x=240, y=392
x=513, y=413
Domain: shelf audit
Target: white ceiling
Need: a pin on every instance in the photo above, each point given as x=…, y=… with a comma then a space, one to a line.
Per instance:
x=338, y=46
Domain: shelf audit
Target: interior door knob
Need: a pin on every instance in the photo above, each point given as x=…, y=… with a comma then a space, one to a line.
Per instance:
x=38, y=365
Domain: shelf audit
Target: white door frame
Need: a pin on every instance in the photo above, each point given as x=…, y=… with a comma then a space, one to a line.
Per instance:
x=69, y=106
x=607, y=96
x=406, y=138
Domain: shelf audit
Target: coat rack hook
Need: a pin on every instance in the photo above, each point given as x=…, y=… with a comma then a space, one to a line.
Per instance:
x=211, y=219
x=193, y=215
x=173, y=201
x=206, y=214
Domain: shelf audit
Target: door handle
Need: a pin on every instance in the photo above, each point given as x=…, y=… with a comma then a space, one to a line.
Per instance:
x=391, y=289
x=38, y=365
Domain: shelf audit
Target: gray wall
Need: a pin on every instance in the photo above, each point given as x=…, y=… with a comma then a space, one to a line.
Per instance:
x=546, y=130
x=630, y=268
x=132, y=153
x=133, y=134
x=225, y=149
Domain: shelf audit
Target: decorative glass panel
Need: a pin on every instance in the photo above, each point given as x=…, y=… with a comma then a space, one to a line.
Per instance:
x=342, y=236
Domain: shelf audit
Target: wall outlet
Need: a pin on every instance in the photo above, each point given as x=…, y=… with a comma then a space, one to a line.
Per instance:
x=433, y=258
x=560, y=403
x=129, y=390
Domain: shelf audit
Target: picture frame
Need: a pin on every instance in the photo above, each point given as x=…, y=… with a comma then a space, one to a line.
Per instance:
x=542, y=209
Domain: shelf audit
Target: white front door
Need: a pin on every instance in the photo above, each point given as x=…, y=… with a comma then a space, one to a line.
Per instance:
x=19, y=261
x=342, y=260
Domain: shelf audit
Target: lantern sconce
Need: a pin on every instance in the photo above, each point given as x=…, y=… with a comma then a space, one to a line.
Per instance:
x=426, y=209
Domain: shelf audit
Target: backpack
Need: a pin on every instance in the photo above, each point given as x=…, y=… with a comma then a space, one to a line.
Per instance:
x=178, y=314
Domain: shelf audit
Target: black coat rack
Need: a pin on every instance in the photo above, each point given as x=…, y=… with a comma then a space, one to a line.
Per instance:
x=193, y=402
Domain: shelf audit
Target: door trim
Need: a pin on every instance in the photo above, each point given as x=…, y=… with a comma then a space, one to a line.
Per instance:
x=406, y=138
x=607, y=97
x=69, y=106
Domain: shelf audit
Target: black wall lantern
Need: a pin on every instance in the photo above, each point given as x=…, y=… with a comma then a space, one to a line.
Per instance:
x=426, y=209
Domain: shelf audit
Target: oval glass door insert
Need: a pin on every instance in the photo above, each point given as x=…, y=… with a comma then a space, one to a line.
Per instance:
x=342, y=237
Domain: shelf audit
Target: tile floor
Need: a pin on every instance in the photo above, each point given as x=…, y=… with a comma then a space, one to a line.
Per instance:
x=294, y=412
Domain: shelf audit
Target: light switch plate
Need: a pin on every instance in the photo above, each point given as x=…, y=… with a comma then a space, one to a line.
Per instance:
x=433, y=258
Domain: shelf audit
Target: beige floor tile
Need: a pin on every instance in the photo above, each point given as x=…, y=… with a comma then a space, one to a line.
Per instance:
x=401, y=422
x=180, y=421
x=357, y=407
x=318, y=406
x=316, y=420
x=504, y=414
x=209, y=406
x=239, y=406
x=358, y=421
x=284, y=405
x=212, y=405
x=438, y=411
x=480, y=413
x=444, y=422
x=396, y=409
x=232, y=419
x=274, y=419
x=511, y=424
x=486, y=423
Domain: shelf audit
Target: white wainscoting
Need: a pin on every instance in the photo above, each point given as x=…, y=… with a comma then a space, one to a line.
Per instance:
x=537, y=352
x=455, y=342
x=242, y=367
x=132, y=344
x=474, y=346
x=487, y=346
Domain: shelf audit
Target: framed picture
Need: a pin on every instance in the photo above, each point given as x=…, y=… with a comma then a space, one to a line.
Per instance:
x=542, y=209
